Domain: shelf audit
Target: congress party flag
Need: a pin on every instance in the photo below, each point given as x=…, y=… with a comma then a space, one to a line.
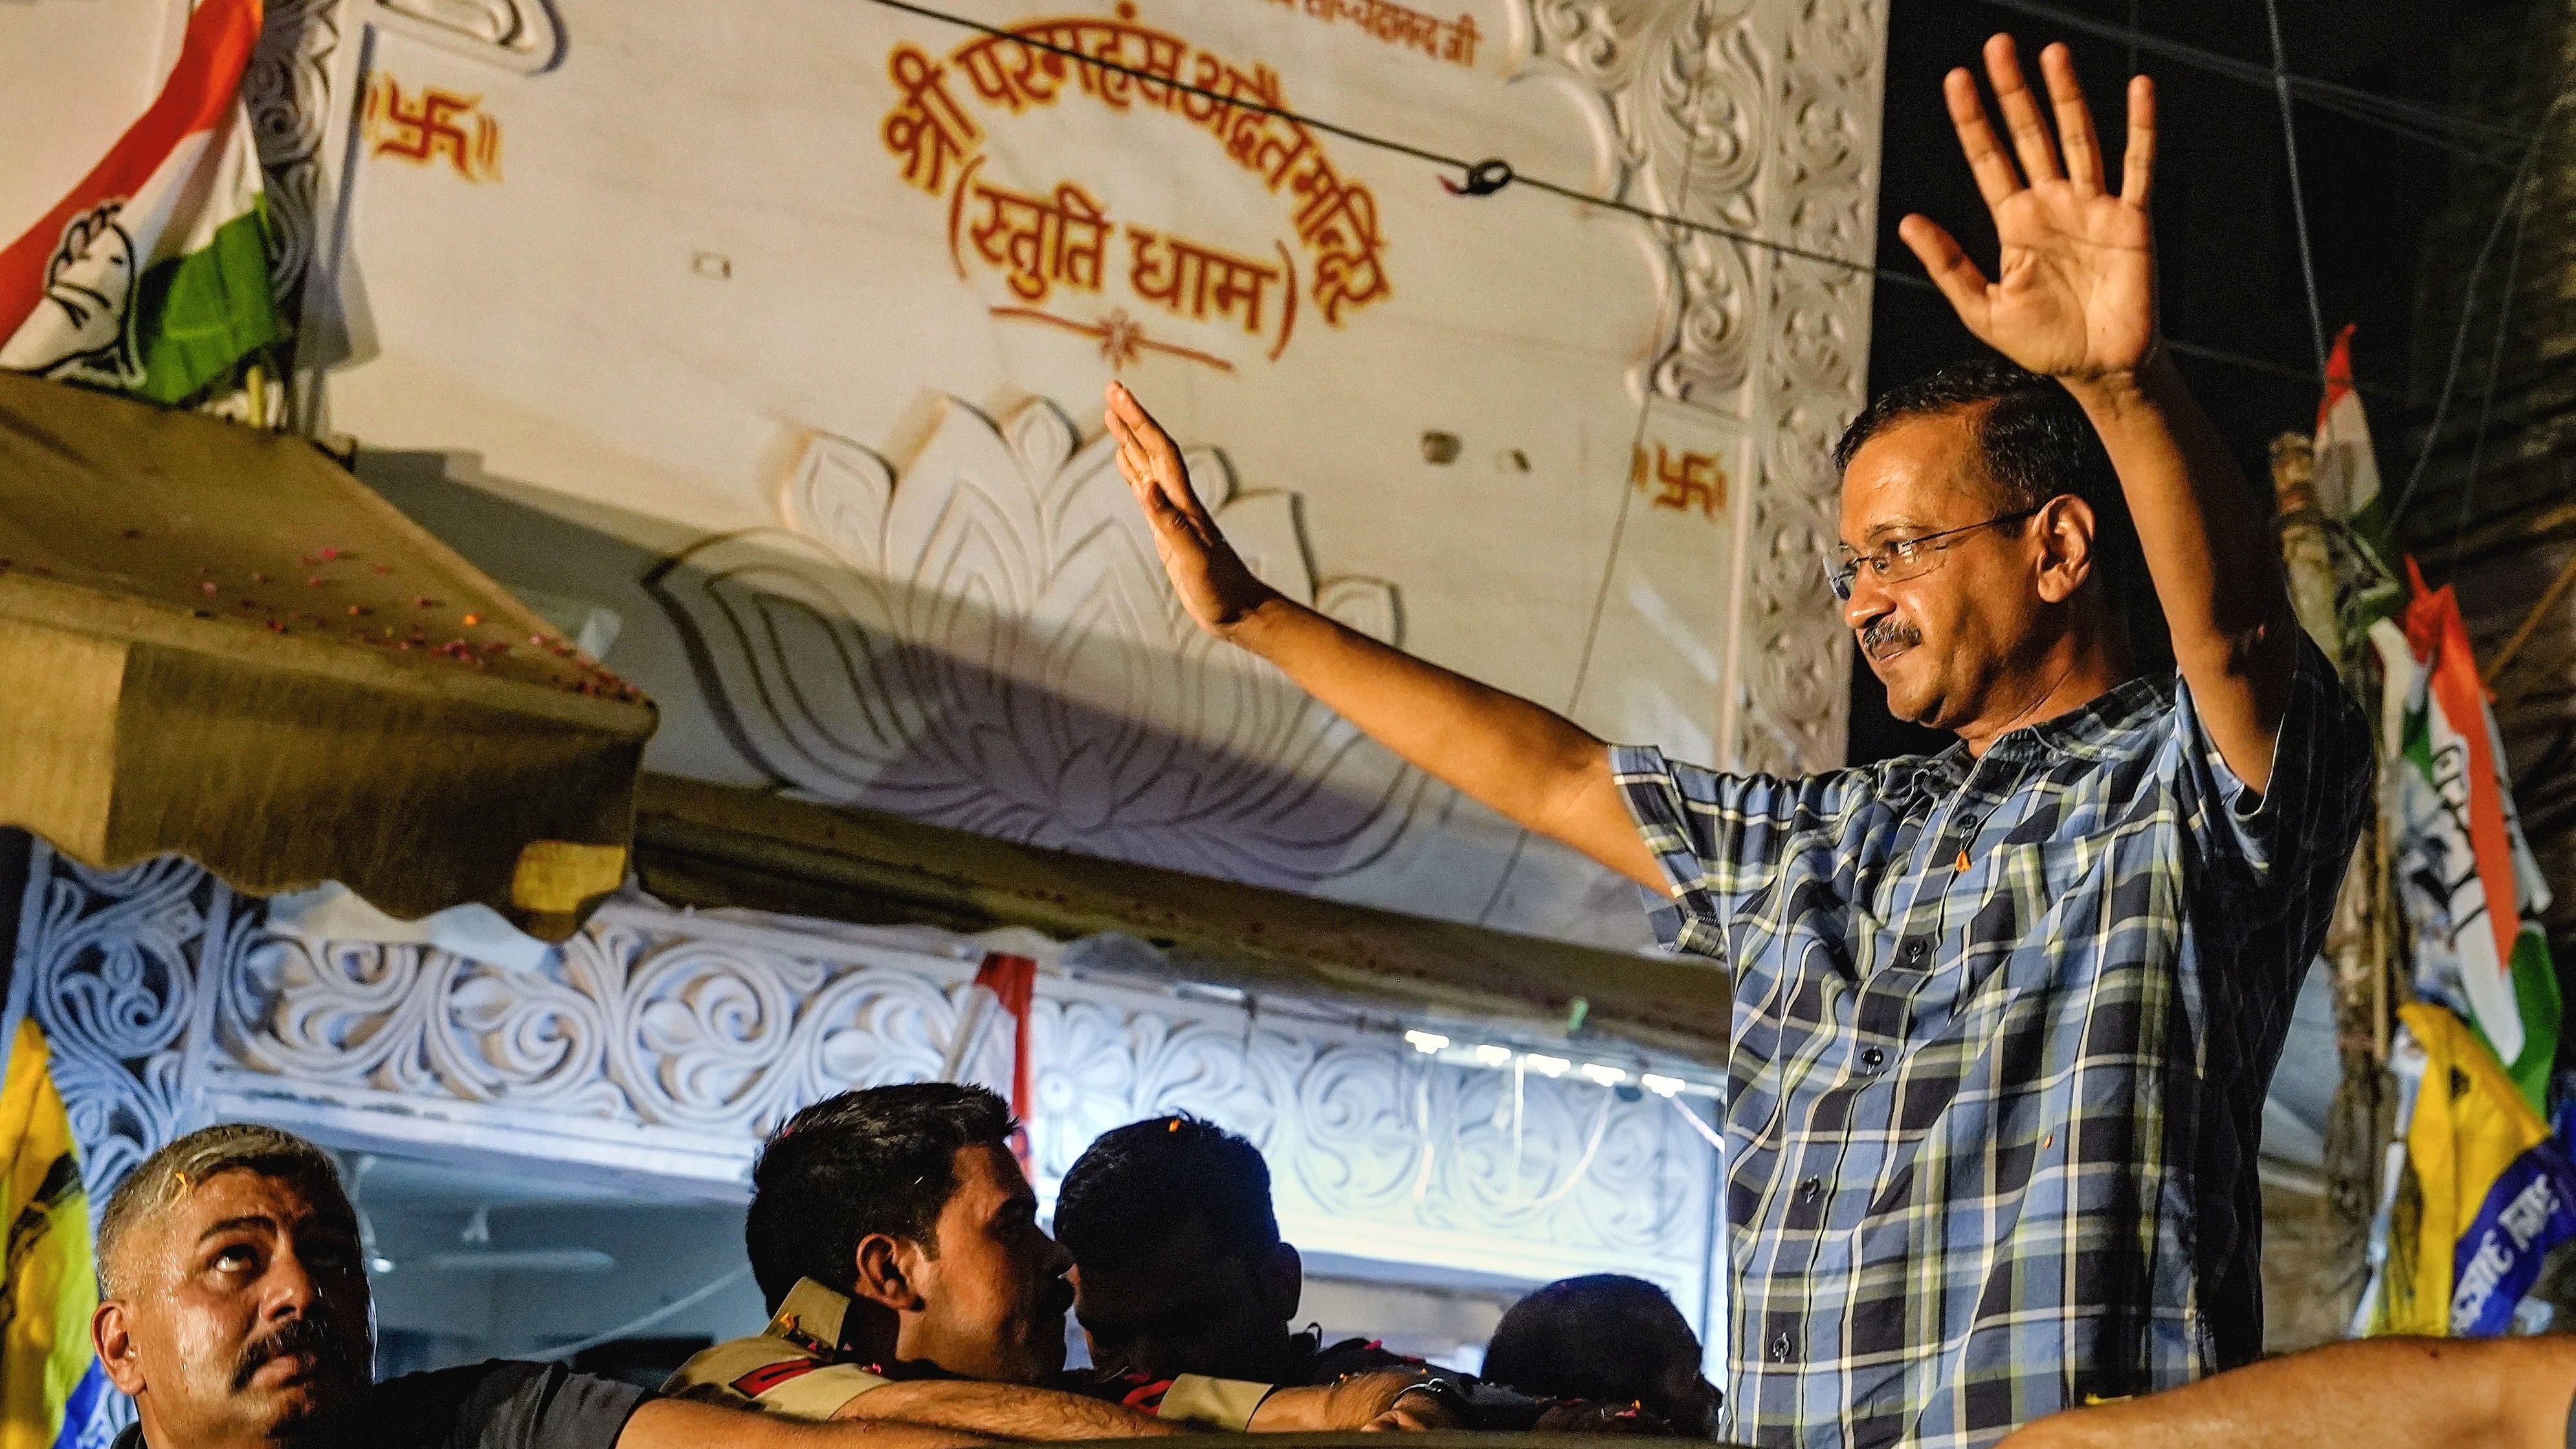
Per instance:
x=152, y=275
x=51, y=1386
x=2485, y=1192
x=2472, y=892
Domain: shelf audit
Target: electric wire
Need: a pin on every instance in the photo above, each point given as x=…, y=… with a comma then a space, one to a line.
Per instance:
x=643, y=1321
x=1619, y=520
x=2495, y=366
x=2298, y=186
x=2430, y=125
x=1484, y=178
x=2469, y=304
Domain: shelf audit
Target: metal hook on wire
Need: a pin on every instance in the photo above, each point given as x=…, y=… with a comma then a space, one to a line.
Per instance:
x=1483, y=179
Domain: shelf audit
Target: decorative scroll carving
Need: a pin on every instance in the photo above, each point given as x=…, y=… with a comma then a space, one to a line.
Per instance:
x=665, y=1044
x=1760, y=116
x=1366, y=1131
x=630, y=1025
x=110, y=968
x=1679, y=87
x=522, y=35
x=1820, y=190
x=988, y=642
x=646, y=1024
x=287, y=93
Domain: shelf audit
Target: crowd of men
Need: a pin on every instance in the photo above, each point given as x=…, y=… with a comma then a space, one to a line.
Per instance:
x=915, y=1302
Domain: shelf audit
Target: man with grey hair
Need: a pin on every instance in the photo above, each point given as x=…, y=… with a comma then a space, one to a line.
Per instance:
x=234, y=1310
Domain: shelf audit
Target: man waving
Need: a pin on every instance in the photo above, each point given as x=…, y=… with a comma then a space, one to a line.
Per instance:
x=2004, y=1015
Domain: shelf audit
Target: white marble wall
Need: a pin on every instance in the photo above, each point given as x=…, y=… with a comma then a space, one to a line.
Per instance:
x=662, y=276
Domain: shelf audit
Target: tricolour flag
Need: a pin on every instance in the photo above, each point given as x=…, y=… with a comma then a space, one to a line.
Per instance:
x=50, y=1383
x=152, y=274
x=2484, y=1194
x=2347, y=483
x=2472, y=892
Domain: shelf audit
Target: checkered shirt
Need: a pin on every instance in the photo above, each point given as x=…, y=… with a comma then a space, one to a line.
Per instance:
x=2003, y=1029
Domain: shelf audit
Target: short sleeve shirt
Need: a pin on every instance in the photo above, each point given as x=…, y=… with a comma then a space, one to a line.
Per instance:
x=495, y=1405
x=2002, y=1032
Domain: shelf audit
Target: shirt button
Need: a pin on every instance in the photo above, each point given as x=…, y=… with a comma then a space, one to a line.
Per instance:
x=1780, y=1347
x=1873, y=1058
x=1809, y=1188
x=1914, y=949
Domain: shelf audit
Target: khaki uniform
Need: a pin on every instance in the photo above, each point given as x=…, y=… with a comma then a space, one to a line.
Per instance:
x=799, y=1367
x=796, y=1367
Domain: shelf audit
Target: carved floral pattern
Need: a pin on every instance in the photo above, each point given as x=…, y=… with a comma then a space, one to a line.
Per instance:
x=984, y=639
x=696, y=1038
x=1821, y=191
x=1760, y=116
x=1679, y=86
x=108, y=968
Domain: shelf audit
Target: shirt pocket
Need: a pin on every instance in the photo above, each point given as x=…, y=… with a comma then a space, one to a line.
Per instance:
x=2049, y=900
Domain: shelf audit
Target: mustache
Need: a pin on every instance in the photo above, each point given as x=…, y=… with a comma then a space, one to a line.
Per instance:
x=1888, y=629
x=314, y=1335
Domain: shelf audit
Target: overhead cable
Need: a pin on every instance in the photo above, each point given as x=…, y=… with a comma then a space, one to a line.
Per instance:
x=2469, y=302
x=2431, y=125
x=2495, y=367
x=2298, y=187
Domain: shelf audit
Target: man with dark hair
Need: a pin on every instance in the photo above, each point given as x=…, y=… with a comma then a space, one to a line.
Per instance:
x=234, y=1310
x=2004, y=1016
x=1179, y=1268
x=896, y=1242
x=1609, y=1338
x=1181, y=1277
x=850, y=1195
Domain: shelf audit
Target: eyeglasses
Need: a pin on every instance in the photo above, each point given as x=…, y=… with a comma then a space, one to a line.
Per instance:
x=1902, y=558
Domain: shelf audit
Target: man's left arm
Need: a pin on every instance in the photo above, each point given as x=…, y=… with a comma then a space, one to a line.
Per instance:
x=2075, y=298
x=2210, y=554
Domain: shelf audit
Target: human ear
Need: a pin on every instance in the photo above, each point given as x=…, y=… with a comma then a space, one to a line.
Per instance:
x=111, y=1336
x=2064, y=526
x=885, y=1275
x=1280, y=1277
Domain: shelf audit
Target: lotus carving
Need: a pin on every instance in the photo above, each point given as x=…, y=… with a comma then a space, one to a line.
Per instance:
x=982, y=638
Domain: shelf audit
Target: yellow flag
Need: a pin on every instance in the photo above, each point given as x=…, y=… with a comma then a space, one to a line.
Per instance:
x=50, y=1382
x=2470, y=1124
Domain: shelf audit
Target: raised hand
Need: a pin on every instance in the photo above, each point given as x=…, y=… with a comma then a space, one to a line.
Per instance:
x=2075, y=294
x=1207, y=574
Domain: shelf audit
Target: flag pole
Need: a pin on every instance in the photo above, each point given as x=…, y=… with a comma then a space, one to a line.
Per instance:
x=2530, y=625
x=2355, y=934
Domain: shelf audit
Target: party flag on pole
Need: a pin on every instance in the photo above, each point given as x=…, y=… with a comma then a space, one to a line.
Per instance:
x=50, y=1383
x=2472, y=892
x=2484, y=1194
x=151, y=275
